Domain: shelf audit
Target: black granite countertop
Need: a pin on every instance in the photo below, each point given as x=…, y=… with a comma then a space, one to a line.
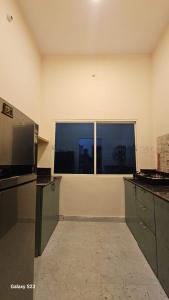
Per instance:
x=161, y=191
x=43, y=181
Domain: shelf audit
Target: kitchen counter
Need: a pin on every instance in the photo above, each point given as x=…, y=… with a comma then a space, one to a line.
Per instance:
x=46, y=180
x=161, y=191
x=16, y=180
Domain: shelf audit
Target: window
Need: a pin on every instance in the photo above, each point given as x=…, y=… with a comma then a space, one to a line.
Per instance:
x=114, y=145
x=115, y=148
x=74, y=148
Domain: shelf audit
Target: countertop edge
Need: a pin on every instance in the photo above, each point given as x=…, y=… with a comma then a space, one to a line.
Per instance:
x=141, y=185
x=44, y=184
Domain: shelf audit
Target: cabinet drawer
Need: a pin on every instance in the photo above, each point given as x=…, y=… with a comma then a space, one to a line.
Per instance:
x=163, y=265
x=162, y=219
x=147, y=244
x=146, y=215
x=146, y=198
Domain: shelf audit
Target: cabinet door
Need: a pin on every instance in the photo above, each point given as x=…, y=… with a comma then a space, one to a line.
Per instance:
x=130, y=207
x=162, y=219
x=145, y=197
x=147, y=243
x=56, y=192
x=50, y=212
x=46, y=216
x=163, y=265
x=162, y=232
x=145, y=208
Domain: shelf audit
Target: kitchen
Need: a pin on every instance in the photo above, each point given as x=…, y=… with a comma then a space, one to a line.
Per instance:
x=83, y=62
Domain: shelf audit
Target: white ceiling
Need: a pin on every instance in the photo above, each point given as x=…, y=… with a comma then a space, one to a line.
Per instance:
x=96, y=26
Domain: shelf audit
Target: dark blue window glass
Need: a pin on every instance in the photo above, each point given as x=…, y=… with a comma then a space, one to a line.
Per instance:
x=74, y=148
x=115, y=148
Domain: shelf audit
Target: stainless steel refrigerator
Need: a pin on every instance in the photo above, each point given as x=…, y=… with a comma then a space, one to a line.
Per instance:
x=18, y=158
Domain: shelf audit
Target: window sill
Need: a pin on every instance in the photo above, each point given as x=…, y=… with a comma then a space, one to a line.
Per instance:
x=94, y=175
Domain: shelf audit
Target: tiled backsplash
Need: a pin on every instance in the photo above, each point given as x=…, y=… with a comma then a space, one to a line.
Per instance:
x=163, y=153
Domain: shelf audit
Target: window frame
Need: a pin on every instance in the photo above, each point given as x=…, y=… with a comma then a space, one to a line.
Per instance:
x=95, y=122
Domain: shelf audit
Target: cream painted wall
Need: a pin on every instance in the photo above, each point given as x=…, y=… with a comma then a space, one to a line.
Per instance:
x=160, y=87
x=119, y=90
x=91, y=195
x=20, y=62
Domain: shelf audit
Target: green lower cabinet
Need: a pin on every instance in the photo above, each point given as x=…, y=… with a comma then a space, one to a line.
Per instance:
x=147, y=243
x=146, y=239
x=47, y=213
x=163, y=265
x=162, y=219
x=56, y=190
x=49, y=208
x=162, y=235
x=145, y=208
x=147, y=216
x=145, y=197
x=130, y=207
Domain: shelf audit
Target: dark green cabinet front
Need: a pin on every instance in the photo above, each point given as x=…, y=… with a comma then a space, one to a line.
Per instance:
x=162, y=220
x=145, y=208
x=130, y=207
x=147, y=243
x=50, y=212
x=162, y=236
x=47, y=213
x=147, y=216
x=163, y=265
x=146, y=226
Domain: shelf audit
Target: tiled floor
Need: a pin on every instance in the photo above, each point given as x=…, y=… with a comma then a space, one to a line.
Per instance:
x=94, y=261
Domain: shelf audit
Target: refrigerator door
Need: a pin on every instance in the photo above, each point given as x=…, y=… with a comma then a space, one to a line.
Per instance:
x=18, y=142
x=17, y=239
x=16, y=137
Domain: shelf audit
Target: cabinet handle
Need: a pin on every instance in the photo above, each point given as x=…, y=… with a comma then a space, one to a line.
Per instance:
x=143, y=207
x=143, y=226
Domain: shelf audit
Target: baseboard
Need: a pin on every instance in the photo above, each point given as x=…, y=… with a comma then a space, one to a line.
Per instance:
x=92, y=219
